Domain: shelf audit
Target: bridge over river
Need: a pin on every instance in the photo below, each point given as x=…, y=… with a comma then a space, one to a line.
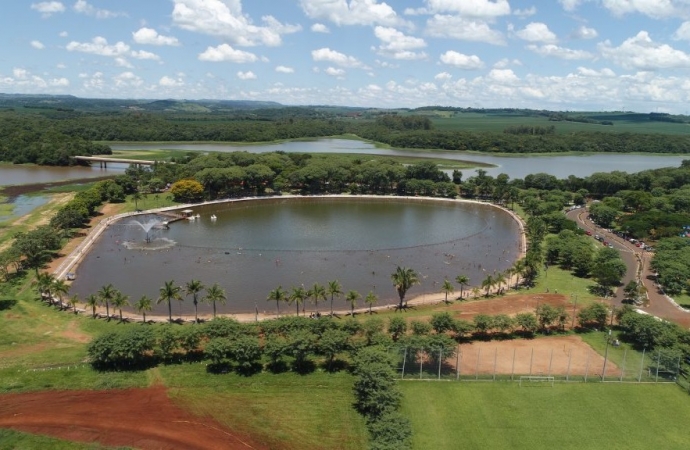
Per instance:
x=103, y=161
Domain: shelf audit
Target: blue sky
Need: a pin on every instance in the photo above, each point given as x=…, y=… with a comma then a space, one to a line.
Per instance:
x=543, y=54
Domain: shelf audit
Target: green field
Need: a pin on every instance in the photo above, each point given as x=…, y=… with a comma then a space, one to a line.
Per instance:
x=622, y=123
x=567, y=416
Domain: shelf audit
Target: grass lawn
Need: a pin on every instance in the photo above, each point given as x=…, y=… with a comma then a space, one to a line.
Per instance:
x=12, y=440
x=568, y=416
x=286, y=411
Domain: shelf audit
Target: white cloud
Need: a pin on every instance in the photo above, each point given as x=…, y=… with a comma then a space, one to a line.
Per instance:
x=142, y=54
x=456, y=27
x=127, y=79
x=167, y=81
x=683, y=32
x=224, y=52
x=246, y=75
x=352, y=12
x=284, y=69
x=63, y=34
x=59, y=82
x=149, y=36
x=19, y=73
x=397, y=45
x=570, y=5
x=462, y=61
x=82, y=7
x=47, y=9
x=584, y=32
x=99, y=46
x=527, y=12
x=640, y=52
x=537, y=32
x=122, y=62
x=332, y=71
x=505, y=62
x=656, y=9
x=37, y=45
x=443, y=76
x=225, y=19
x=61, y=66
x=485, y=9
x=326, y=54
x=559, y=52
x=585, y=72
x=505, y=76
x=320, y=28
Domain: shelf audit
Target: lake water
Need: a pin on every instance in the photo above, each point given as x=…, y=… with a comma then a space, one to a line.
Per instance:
x=23, y=204
x=515, y=167
x=11, y=174
x=253, y=247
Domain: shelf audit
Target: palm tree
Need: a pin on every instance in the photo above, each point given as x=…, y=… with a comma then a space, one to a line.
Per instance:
x=215, y=294
x=298, y=295
x=60, y=288
x=193, y=287
x=106, y=294
x=403, y=279
x=142, y=305
x=463, y=281
x=44, y=284
x=499, y=280
x=519, y=267
x=447, y=288
x=73, y=300
x=119, y=301
x=279, y=295
x=351, y=298
x=92, y=301
x=371, y=300
x=317, y=293
x=475, y=292
x=488, y=283
x=167, y=293
x=334, y=290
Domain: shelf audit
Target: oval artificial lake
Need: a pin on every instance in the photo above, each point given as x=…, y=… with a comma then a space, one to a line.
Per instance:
x=254, y=246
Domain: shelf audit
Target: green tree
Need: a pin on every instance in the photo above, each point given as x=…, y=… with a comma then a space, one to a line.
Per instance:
x=73, y=301
x=167, y=293
x=397, y=327
x=144, y=305
x=351, y=297
x=215, y=294
x=442, y=322
x=298, y=296
x=107, y=294
x=463, y=281
x=193, y=287
x=447, y=288
x=135, y=198
x=278, y=295
x=334, y=289
x=488, y=283
x=527, y=321
x=317, y=293
x=60, y=288
x=119, y=301
x=187, y=191
x=371, y=300
x=403, y=279
x=92, y=301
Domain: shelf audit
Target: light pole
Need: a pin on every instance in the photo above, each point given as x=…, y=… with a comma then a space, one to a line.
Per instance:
x=606, y=356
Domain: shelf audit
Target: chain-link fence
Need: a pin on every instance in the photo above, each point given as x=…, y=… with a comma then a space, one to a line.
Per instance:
x=484, y=363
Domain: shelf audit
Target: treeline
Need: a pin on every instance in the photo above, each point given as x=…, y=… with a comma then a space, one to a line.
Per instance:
x=578, y=118
x=38, y=142
x=534, y=130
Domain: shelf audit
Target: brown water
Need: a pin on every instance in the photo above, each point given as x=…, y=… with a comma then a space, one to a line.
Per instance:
x=253, y=248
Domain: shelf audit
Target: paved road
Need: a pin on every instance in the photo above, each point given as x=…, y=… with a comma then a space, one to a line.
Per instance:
x=635, y=258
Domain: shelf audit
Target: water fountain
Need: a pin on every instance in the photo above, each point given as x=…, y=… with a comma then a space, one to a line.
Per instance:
x=147, y=226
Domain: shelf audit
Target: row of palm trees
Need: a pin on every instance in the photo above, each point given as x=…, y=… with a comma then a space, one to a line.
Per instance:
x=298, y=295
x=53, y=290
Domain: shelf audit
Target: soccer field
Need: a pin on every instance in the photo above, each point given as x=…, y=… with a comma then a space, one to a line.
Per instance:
x=448, y=415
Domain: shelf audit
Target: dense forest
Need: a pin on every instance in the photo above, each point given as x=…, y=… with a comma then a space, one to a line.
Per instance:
x=49, y=133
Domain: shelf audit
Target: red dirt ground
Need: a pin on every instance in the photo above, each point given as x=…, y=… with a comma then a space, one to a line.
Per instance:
x=140, y=418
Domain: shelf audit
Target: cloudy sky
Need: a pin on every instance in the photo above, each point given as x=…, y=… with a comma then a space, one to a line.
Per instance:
x=551, y=54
